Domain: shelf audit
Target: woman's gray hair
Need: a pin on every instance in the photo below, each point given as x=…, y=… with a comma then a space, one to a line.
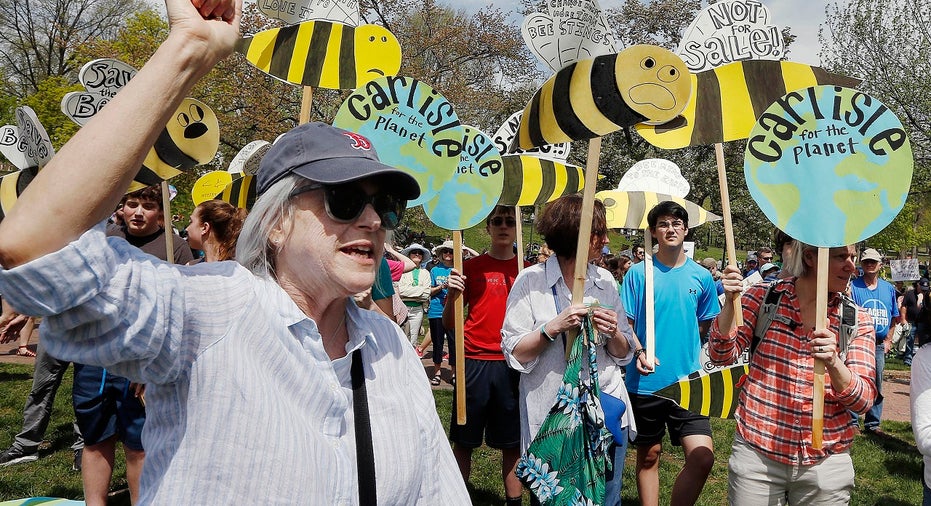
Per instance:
x=255, y=249
x=795, y=264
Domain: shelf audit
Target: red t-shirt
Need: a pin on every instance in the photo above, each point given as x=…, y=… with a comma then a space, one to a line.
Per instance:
x=397, y=269
x=488, y=282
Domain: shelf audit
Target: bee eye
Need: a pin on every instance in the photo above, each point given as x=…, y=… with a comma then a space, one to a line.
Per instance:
x=184, y=119
x=372, y=38
x=649, y=63
x=196, y=112
x=384, y=39
x=672, y=72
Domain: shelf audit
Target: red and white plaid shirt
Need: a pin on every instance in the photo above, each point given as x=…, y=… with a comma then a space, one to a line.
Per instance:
x=774, y=413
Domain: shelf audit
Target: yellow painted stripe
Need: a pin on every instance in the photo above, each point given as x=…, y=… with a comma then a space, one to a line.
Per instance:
x=8, y=195
x=737, y=108
x=548, y=126
x=329, y=76
x=706, y=398
x=686, y=394
x=533, y=180
x=562, y=179
x=797, y=76
x=583, y=103
x=581, y=178
x=727, y=397
x=261, y=48
x=523, y=130
x=299, y=56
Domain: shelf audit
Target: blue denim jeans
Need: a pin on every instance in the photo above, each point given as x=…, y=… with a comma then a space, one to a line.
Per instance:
x=617, y=454
x=926, y=498
x=875, y=414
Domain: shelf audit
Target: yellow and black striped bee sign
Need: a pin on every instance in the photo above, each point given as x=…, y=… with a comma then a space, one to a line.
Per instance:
x=529, y=180
x=12, y=186
x=324, y=54
x=596, y=96
x=726, y=101
x=629, y=209
x=714, y=394
x=240, y=193
x=191, y=138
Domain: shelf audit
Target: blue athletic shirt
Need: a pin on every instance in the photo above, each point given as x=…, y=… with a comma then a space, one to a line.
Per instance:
x=683, y=297
x=879, y=303
x=439, y=275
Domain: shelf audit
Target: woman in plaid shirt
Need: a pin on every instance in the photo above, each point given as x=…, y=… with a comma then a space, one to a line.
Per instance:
x=773, y=460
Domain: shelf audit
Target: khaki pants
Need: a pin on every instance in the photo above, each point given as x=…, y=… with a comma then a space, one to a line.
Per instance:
x=755, y=480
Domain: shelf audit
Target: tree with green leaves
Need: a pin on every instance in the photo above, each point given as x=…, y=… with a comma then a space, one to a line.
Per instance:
x=38, y=37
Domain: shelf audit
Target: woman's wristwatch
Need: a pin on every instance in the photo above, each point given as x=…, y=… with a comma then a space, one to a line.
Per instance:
x=638, y=352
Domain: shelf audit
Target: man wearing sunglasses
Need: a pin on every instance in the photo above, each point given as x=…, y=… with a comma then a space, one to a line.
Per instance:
x=491, y=386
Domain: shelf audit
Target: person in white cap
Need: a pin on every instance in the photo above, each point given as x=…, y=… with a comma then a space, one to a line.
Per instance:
x=878, y=297
x=260, y=373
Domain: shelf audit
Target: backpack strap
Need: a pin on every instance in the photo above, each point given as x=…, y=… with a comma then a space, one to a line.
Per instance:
x=848, y=324
x=766, y=315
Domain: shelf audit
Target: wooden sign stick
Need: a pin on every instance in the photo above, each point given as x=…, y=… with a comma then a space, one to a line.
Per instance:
x=649, y=303
x=585, y=230
x=520, y=240
x=821, y=322
x=460, y=337
x=307, y=99
x=728, y=231
x=166, y=217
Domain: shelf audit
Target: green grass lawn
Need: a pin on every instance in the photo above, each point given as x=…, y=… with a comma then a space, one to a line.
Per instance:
x=888, y=470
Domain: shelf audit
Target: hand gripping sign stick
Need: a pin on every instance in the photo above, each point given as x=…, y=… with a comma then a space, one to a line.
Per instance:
x=837, y=154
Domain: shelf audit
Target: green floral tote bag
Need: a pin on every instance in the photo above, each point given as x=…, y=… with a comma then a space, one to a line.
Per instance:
x=566, y=462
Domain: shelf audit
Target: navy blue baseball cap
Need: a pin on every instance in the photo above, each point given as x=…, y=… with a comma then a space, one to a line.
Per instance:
x=330, y=155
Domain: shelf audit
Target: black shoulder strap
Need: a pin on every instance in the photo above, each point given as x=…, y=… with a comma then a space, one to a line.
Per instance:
x=766, y=315
x=848, y=324
x=365, y=455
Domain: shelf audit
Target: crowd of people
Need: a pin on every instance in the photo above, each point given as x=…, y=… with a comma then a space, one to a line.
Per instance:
x=285, y=366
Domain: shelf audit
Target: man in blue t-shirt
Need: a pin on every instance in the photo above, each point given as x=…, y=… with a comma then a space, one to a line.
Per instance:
x=685, y=302
x=877, y=296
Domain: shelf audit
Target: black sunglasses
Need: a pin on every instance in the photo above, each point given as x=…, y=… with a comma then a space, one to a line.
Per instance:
x=345, y=202
x=497, y=221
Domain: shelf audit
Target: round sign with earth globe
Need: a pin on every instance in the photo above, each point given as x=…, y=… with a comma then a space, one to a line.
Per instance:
x=830, y=166
x=471, y=195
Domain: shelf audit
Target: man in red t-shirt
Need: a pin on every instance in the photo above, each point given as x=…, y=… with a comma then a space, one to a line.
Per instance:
x=491, y=386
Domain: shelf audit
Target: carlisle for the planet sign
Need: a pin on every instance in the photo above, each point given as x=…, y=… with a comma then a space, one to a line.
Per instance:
x=829, y=165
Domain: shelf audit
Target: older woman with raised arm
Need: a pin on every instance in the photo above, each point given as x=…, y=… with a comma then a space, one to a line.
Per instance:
x=266, y=384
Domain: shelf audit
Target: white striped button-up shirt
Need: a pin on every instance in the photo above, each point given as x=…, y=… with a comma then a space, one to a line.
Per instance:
x=243, y=404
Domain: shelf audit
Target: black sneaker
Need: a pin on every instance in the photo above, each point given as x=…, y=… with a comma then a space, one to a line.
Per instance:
x=76, y=465
x=12, y=456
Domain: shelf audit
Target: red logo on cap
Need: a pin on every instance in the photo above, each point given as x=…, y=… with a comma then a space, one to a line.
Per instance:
x=359, y=141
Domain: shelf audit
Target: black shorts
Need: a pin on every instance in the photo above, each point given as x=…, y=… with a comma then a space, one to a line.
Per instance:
x=653, y=414
x=491, y=406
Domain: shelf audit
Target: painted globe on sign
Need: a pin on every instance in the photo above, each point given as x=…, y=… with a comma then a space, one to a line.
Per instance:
x=471, y=195
x=830, y=166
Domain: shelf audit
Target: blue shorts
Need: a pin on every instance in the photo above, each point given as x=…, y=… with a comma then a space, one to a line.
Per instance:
x=104, y=407
x=491, y=406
